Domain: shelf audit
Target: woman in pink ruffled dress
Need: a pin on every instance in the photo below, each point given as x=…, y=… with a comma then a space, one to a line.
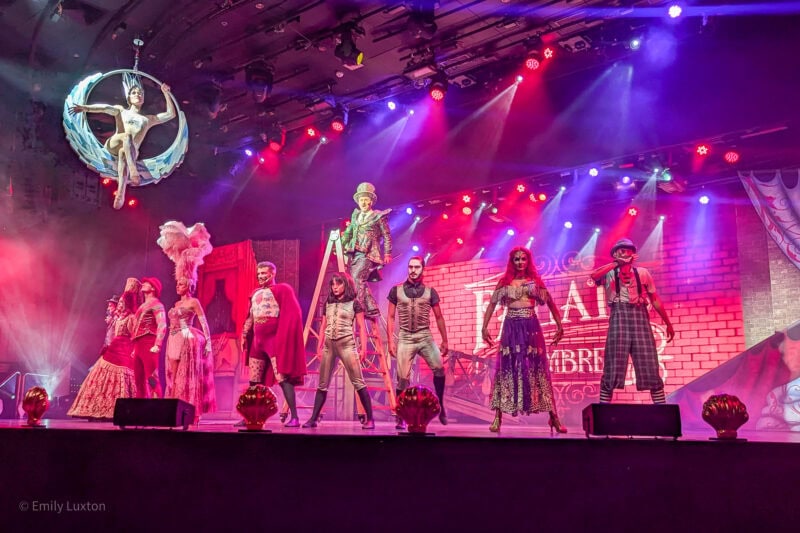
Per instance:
x=111, y=377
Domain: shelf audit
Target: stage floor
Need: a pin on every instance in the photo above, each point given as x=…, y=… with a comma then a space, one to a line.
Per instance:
x=386, y=429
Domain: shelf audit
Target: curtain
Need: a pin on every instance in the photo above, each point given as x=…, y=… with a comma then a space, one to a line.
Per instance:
x=777, y=202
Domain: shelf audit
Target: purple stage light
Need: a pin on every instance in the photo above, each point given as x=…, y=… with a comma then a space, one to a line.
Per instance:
x=704, y=199
x=675, y=11
x=248, y=152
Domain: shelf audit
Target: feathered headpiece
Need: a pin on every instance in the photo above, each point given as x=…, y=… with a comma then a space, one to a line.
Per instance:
x=186, y=247
x=129, y=81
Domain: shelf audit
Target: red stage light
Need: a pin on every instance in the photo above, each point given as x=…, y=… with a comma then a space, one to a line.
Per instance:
x=542, y=197
x=337, y=125
x=702, y=149
x=460, y=240
x=521, y=187
x=633, y=211
x=132, y=202
x=467, y=198
x=275, y=147
x=445, y=216
x=532, y=63
x=311, y=132
x=260, y=159
x=466, y=210
x=548, y=53
x=532, y=197
x=106, y=181
x=437, y=93
x=731, y=157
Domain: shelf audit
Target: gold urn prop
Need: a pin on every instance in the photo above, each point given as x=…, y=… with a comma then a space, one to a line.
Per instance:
x=256, y=405
x=417, y=406
x=726, y=414
x=35, y=403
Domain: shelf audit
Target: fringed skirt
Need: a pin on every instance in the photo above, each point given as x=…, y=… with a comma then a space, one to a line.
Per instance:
x=522, y=375
x=193, y=381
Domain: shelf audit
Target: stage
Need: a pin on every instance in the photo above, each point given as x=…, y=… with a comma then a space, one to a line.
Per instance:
x=77, y=473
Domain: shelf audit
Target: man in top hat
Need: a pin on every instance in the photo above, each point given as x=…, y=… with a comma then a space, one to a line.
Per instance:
x=628, y=290
x=150, y=327
x=362, y=244
x=111, y=316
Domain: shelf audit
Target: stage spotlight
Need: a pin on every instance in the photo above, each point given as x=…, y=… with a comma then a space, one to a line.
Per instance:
x=275, y=138
x=568, y=224
x=460, y=240
x=410, y=111
x=494, y=210
x=626, y=180
x=417, y=218
x=311, y=132
x=438, y=88
x=519, y=79
x=521, y=187
x=510, y=232
x=248, y=152
x=532, y=197
x=106, y=181
x=261, y=160
x=466, y=198
x=533, y=61
x=562, y=189
x=132, y=202
x=548, y=53
x=445, y=216
x=597, y=230
x=704, y=199
x=662, y=218
x=593, y=172
x=632, y=211
x=483, y=204
x=542, y=197
x=466, y=210
x=731, y=157
x=675, y=11
x=702, y=149
x=339, y=120
x=415, y=248
x=351, y=57
x=323, y=140
x=391, y=105
x=259, y=78
x=635, y=43
x=409, y=211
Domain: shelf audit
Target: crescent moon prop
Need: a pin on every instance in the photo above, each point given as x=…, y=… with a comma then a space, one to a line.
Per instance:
x=94, y=154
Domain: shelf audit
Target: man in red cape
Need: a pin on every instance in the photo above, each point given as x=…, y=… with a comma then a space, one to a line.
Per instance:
x=272, y=337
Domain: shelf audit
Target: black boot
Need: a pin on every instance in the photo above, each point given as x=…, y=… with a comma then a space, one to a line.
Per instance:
x=288, y=394
x=319, y=401
x=366, y=402
x=400, y=425
x=438, y=384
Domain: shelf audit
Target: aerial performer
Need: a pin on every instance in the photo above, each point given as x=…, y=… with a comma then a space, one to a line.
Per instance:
x=118, y=157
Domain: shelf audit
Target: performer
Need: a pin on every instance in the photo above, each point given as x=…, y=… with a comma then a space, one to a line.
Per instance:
x=628, y=289
x=414, y=301
x=112, y=376
x=131, y=128
x=272, y=337
x=522, y=377
x=111, y=317
x=148, y=334
x=190, y=362
x=342, y=312
x=361, y=243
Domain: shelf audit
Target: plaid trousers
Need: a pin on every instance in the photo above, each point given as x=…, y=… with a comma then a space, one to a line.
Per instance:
x=629, y=333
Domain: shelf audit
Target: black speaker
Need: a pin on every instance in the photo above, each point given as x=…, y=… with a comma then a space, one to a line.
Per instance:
x=619, y=419
x=155, y=412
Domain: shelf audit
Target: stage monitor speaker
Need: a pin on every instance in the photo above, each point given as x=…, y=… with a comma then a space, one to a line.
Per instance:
x=146, y=412
x=619, y=419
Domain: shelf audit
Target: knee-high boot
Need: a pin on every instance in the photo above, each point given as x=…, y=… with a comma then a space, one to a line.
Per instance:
x=319, y=401
x=288, y=394
x=438, y=384
x=366, y=401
